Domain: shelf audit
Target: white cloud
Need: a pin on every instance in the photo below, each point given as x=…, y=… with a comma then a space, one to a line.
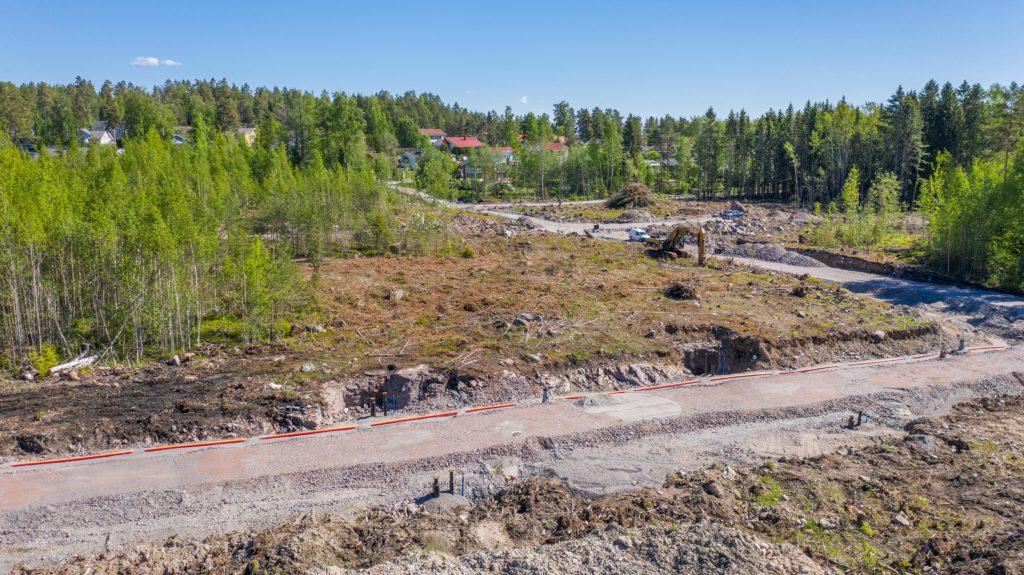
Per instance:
x=523, y=100
x=153, y=62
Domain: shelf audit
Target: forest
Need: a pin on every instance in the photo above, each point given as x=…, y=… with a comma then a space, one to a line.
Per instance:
x=151, y=246
x=156, y=249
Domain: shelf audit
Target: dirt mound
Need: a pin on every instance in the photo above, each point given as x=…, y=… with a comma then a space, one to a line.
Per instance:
x=480, y=225
x=698, y=549
x=680, y=291
x=633, y=195
x=633, y=216
x=772, y=253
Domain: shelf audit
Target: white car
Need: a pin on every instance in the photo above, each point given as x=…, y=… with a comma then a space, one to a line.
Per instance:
x=638, y=235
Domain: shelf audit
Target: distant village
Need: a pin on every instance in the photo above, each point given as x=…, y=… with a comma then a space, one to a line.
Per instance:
x=461, y=147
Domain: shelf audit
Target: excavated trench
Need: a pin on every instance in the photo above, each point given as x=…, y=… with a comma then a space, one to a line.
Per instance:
x=727, y=351
x=707, y=350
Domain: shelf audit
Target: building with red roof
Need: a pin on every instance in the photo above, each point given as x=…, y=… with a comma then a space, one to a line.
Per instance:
x=463, y=143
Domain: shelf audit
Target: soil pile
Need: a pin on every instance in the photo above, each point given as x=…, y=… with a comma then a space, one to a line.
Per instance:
x=699, y=549
x=772, y=253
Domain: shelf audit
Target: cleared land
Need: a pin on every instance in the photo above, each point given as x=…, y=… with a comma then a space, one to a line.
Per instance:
x=518, y=310
x=521, y=313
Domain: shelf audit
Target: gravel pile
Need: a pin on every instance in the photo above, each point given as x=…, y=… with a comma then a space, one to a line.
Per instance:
x=772, y=253
x=694, y=548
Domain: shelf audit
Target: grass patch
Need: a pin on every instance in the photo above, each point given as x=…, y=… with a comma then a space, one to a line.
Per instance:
x=772, y=493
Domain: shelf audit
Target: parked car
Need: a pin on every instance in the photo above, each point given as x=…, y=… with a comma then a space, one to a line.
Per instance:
x=638, y=235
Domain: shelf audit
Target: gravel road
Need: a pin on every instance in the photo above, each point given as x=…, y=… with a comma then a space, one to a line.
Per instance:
x=998, y=315
x=48, y=513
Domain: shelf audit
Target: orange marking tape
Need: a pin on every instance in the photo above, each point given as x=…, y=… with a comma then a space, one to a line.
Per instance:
x=615, y=392
x=874, y=361
x=984, y=347
x=572, y=397
x=196, y=444
x=69, y=459
x=489, y=407
x=310, y=432
x=819, y=368
x=414, y=418
x=666, y=385
x=739, y=375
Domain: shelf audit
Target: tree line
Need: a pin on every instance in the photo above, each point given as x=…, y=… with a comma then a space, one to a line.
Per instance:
x=803, y=153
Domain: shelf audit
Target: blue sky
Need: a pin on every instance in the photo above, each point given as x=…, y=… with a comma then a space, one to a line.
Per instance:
x=646, y=57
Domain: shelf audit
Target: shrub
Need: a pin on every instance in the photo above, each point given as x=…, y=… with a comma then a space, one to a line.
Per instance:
x=44, y=359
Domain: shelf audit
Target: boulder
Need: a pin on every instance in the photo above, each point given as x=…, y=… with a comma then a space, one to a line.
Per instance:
x=413, y=384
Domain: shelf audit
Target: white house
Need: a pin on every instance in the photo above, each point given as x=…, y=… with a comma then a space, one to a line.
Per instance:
x=101, y=137
x=435, y=135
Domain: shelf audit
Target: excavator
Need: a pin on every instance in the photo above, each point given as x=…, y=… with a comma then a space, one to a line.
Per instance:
x=672, y=246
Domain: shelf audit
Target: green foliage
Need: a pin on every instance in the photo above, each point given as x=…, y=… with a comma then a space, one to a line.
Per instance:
x=871, y=224
x=44, y=359
x=771, y=494
x=851, y=194
x=975, y=220
x=434, y=174
x=134, y=252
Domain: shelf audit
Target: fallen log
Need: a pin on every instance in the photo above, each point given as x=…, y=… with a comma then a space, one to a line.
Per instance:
x=74, y=364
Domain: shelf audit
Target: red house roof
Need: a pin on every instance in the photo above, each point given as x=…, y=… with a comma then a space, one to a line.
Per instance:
x=556, y=146
x=464, y=142
x=432, y=132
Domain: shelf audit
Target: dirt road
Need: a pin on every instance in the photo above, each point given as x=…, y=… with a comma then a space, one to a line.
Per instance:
x=48, y=513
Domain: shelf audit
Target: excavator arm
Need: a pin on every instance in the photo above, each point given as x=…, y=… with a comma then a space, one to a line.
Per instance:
x=676, y=237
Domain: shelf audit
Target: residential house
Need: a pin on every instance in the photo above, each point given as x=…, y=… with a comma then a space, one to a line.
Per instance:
x=462, y=144
x=181, y=135
x=102, y=126
x=247, y=134
x=101, y=137
x=505, y=154
x=436, y=136
x=407, y=160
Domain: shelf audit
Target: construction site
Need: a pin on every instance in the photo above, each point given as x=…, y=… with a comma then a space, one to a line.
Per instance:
x=618, y=387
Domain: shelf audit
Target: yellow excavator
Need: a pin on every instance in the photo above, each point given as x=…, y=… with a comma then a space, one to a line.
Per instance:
x=672, y=246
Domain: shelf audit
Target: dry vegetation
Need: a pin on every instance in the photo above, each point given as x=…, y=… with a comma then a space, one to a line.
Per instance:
x=578, y=301
x=527, y=304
